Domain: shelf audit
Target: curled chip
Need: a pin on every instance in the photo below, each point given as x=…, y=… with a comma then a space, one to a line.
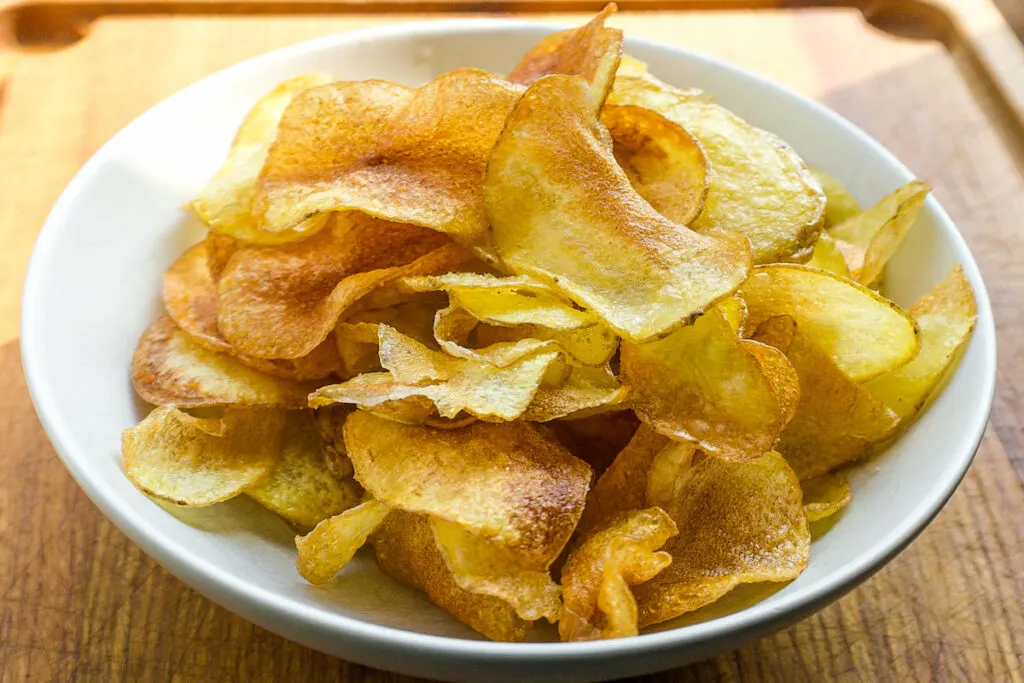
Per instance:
x=584, y=391
x=757, y=185
x=170, y=368
x=407, y=155
x=828, y=256
x=503, y=482
x=592, y=345
x=864, y=333
x=881, y=228
x=406, y=551
x=299, y=487
x=195, y=461
x=664, y=476
x=597, y=439
x=836, y=420
x=825, y=495
x=487, y=568
x=598, y=576
x=701, y=384
x=219, y=249
x=664, y=163
x=556, y=197
x=329, y=423
x=325, y=550
x=356, y=335
x=281, y=302
x=591, y=51
x=946, y=316
x=739, y=522
x=839, y=203
x=225, y=204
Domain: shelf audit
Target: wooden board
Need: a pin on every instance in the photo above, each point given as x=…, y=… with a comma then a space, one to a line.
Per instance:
x=79, y=602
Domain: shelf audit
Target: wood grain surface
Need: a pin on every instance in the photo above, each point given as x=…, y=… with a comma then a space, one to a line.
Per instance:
x=79, y=602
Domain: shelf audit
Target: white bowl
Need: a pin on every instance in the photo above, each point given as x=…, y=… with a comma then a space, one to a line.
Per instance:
x=94, y=285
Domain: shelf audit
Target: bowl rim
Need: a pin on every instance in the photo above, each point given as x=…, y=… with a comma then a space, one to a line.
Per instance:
x=240, y=596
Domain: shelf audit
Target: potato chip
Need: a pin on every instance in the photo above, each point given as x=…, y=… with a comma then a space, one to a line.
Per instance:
x=556, y=197
x=503, y=482
x=757, y=185
x=195, y=461
x=837, y=420
x=407, y=552
x=406, y=155
x=598, y=576
x=584, y=391
x=664, y=476
x=854, y=255
x=325, y=550
x=739, y=522
x=281, y=302
x=596, y=439
x=299, y=487
x=781, y=376
x=356, y=335
x=487, y=568
x=839, y=203
x=170, y=368
x=946, y=316
x=828, y=256
x=825, y=495
x=592, y=345
x=700, y=384
x=219, y=249
x=734, y=310
x=664, y=163
x=591, y=51
x=329, y=424
x=630, y=66
x=864, y=333
x=225, y=204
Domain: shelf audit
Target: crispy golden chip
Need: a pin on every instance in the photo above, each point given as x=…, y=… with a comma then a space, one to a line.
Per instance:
x=556, y=197
x=225, y=204
x=854, y=255
x=598, y=576
x=780, y=374
x=757, y=185
x=325, y=550
x=593, y=345
x=828, y=256
x=170, y=368
x=664, y=163
x=881, y=228
x=407, y=552
x=825, y=495
x=406, y=155
x=195, y=461
x=739, y=522
x=864, y=333
x=219, y=249
x=585, y=390
x=299, y=487
x=487, y=568
x=701, y=384
x=837, y=420
x=734, y=310
x=596, y=439
x=591, y=51
x=281, y=302
x=839, y=203
x=356, y=335
x=330, y=421
x=664, y=476
x=503, y=482
x=946, y=316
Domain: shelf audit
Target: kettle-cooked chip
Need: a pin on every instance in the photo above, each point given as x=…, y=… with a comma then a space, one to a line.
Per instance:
x=664, y=163
x=825, y=495
x=757, y=185
x=597, y=439
x=401, y=154
x=592, y=345
x=864, y=333
x=325, y=550
x=503, y=481
x=739, y=522
x=585, y=391
x=170, y=368
x=195, y=461
x=598, y=576
x=839, y=203
x=225, y=204
x=837, y=420
x=828, y=256
x=946, y=316
x=664, y=476
x=563, y=211
x=330, y=421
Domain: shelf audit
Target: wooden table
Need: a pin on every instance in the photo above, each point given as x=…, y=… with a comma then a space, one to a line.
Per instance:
x=79, y=602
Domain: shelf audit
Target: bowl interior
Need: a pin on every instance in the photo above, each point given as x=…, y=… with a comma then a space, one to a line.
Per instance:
x=95, y=280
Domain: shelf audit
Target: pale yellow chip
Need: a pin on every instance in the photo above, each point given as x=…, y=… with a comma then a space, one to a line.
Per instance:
x=828, y=256
x=757, y=185
x=839, y=203
x=225, y=204
x=503, y=482
x=325, y=550
x=585, y=391
x=864, y=333
x=825, y=495
x=598, y=577
x=195, y=461
x=593, y=345
x=562, y=210
x=170, y=368
x=946, y=316
x=734, y=310
x=739, y=522
x=630, y=66
x=300, y=488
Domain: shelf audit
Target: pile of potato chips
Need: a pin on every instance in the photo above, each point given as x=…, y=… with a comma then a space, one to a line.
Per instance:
x=569, y=344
